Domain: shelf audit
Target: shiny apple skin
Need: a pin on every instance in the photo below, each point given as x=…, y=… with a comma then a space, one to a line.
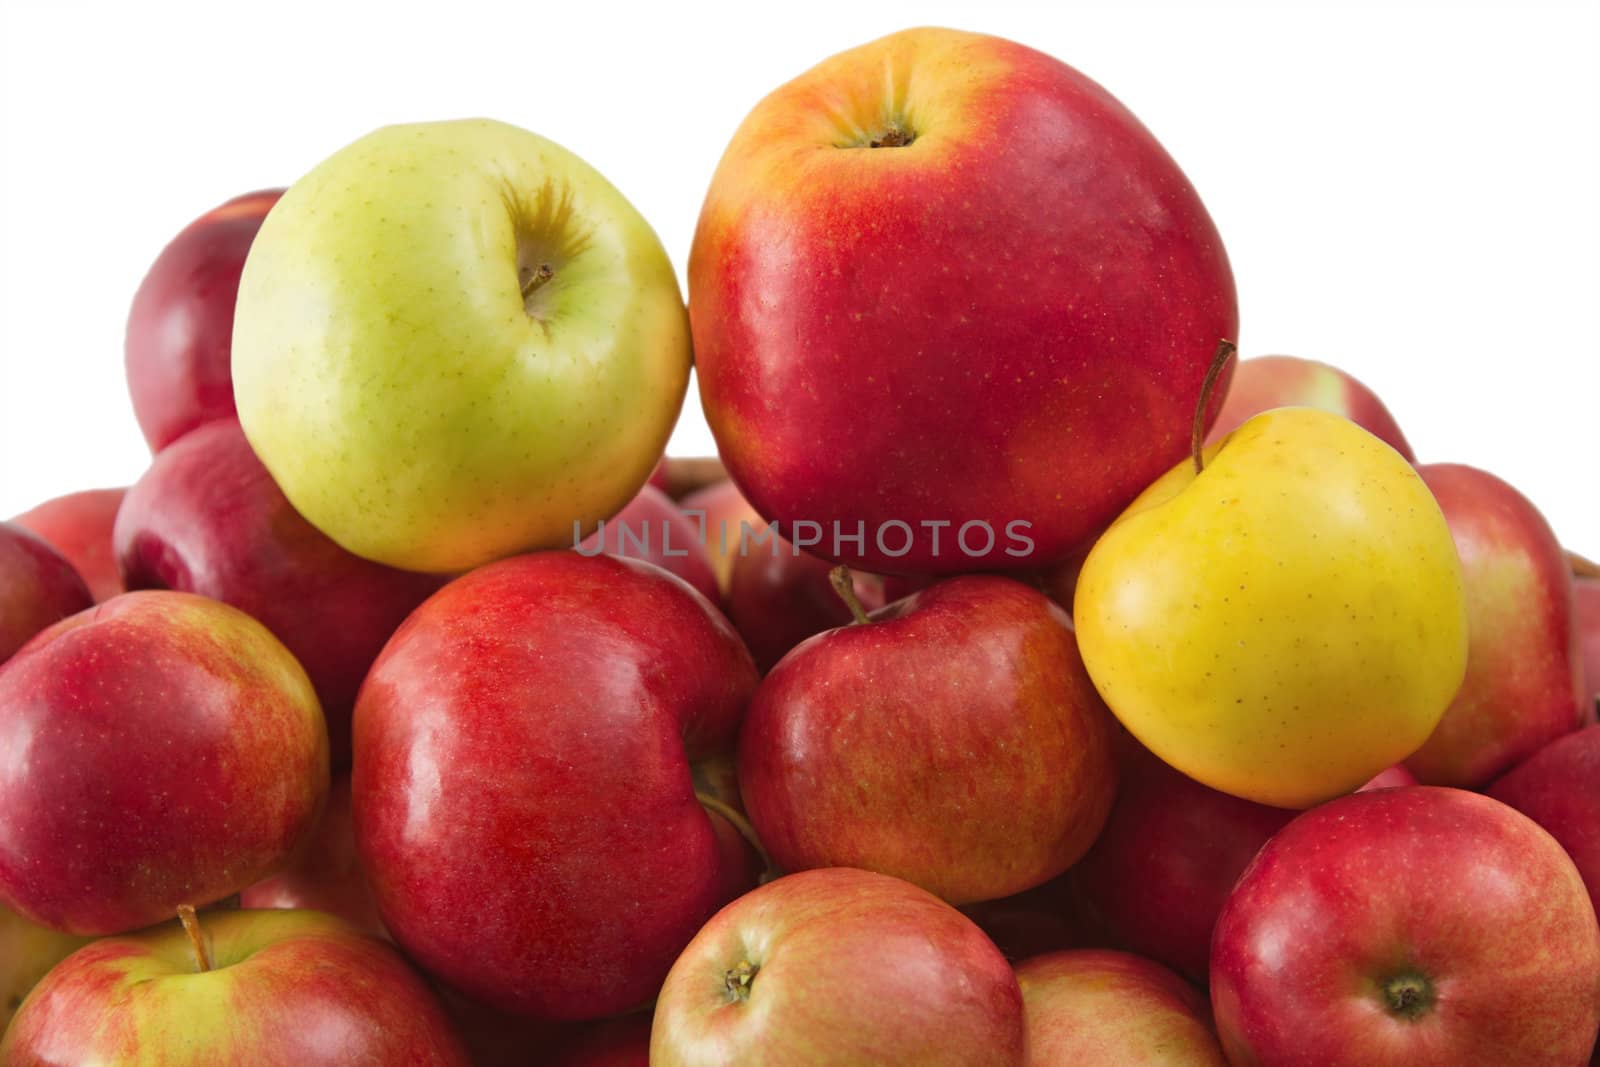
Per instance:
x=522, y=786
x=1267, y=382
x=38, y=588
x=656, y=530
x=78, y=526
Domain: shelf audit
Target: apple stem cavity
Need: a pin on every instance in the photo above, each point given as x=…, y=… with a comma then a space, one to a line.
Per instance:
x=737, y=979
x=1408, y=996
x=1197, y=435
x=844, y=584
x=896, y=136
x=191, y=926
x=736, y=819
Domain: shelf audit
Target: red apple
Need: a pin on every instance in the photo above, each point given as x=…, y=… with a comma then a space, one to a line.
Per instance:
x=163, y=749
x=953, y=740
x=27, y=952
x=277, y=989
x=1408, y=928
x=524, y=803
x=180, y=330
x=1522, y=685
x=37, y=588
x=207, y=518
x=1268, y=382
x=1099, y=1008
x=326, y=876
x=78, y=526
x=839, y=966
x=621, y=1042
x=1047, y=918
x=1586, y=612
x=1393, y=778
x=779, y=595
x=656, y=530
x=1558, y=787
x=720, y=509
x=989, y=297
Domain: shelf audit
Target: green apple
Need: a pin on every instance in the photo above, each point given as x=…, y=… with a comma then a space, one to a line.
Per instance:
x=27, y=951
x=453, y=341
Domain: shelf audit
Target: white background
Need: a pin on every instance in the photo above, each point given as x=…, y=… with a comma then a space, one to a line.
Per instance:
x=1408, y=191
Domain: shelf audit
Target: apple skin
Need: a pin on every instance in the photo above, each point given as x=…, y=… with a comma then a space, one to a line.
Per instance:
x=1032, y=279
x=207, y=518
x=169, y=750
x=656, y=530
x=721, y=508
x=419, y=396
x=180, y=329
x=1524, y=675
x=1586, y=614
x=779, y=595
x=78, y=526
x=27, y=952
x=1457, y=895
x=621, y=1042
x=286, y=989
x=522, y=786
x=1268, y=382
x=326, y=876
x=1558, y=787
x=1101, y=1008
x=954, y=741
x=941, y=994
x=38, y=588
x=1047, y=918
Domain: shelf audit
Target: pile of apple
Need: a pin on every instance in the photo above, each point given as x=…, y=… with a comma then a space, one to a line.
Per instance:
x=1030, y=681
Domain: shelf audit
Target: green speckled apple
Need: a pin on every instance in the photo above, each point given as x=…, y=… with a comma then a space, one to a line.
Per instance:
x=455, y=339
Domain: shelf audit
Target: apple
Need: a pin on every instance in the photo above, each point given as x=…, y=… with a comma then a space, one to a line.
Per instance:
x=1406, y=927
x=681, y=476
x=656, y=530
x=180, y=330
x=1586, y=615
x=721, y=509
x=779, y=595
x=1268, y=382
x=326, y=875
x=951, y=739
x=525, y=805
x=432, y=402
x=163, y=750
x=1047, y=918
x=78, y=526
x=1524, y=675
x=37, y=588
x=271, y=989
x=1285, y=623
x=620, y=1042
x=1558, y=787
x=1100, y=1008
x=1390, y=778
x=839, y=966
x=27, y=952
x=987, y=296
x=207, y=518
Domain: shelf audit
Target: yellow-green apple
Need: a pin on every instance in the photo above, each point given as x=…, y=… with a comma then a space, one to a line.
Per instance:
x=1268, y=382
x=269, y=989
x=1586, y=615
x=162, y=750
x=525, y=804
x=779, y=595
x=1558, y=787
x=1408, y=928
x=78, y=526
x=776, y=978
x=180, y=330
x=38, y=587
x=951, y=739
x=453, y=341
x=1101, y=1008
x=1524, y=675
x=723, y=512
x=207, y=518
x=27, y=952
x=326, y=874
x=1284, y=624
x=656, y=530
x=943, y=278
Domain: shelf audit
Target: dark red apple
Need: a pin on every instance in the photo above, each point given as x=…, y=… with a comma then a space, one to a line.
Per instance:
x=78, y=526
x=779, y=595
x=326, y=875
x=207, y=518
x=525, y=803
x=180, y=330
x=656, y=530
x=621, y=1042
x=37, y=588
x=1558, y=787
x=1419, y=927
x=1047, y=918
x=1268, y=382
x=1586, y=612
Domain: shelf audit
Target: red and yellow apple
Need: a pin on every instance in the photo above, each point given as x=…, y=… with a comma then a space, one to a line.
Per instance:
x=1268, y=382
x=326, y=874
x=78, y=526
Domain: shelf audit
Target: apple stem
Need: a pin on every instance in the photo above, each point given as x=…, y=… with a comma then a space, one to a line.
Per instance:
x=543, y=274
x=1197, y=438
x=191, y=926
x=844, y=584
x=1583, y=568
x=736, y=819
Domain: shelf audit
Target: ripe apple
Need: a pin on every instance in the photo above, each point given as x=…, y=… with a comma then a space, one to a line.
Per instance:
x=951, y=739
x=1285, y=624
x=720, y=508
x=1408, y=927
x=275, y=989
x=1524, y=676
x=1268, y=382
x=620, y=1042
x=164, y=749
x=524, y=753
x=1047, y=918
x=779, y=595
x=37, y=588
x=1099, y=1008
x=656, y=530
x=78, y=526
x=27, y=952
x=433, y=402
x=180, y=330
x=777, y=978
x=326, y=875
x=945, y=278
x=1586, y=615
x=207, y=518
x=1558, y=787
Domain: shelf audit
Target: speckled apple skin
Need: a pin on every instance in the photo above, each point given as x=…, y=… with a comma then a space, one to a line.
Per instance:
x=78, y=526
x=1267, y=382
x=38, y=588
x=161, y=749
